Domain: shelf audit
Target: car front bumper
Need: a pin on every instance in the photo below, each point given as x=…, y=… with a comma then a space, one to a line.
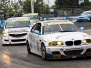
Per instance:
x=14, y=40
x=83, y=19
x=68, y=52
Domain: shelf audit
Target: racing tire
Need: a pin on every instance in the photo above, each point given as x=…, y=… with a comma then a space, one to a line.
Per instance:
x=90, y=20
x=3, y=44
x=43, y=52
x=28, y=48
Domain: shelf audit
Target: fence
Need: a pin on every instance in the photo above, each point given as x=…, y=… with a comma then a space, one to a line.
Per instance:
x=67, y=12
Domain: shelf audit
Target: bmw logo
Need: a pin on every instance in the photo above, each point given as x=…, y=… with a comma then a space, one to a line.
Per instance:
x=72, y=39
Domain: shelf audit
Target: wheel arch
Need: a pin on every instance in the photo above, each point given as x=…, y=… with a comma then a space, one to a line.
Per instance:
x=42, y=43
x=27, y=42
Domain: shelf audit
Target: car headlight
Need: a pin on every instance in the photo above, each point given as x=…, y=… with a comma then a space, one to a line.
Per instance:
x=55, y=43
x=86, y=41
x=86, y=16
x=5, y=34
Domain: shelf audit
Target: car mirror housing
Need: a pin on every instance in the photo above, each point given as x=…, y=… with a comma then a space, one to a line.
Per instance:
x=37, y=32
x=81, y=29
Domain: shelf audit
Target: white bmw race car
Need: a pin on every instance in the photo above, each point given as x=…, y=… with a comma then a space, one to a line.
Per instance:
x=58, y=39
x=15, y=30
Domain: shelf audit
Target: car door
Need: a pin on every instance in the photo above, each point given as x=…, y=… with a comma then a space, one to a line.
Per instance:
x=38, y=37
x=34, y=37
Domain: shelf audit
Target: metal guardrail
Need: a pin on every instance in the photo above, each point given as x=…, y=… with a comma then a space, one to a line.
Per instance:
x=71, y=18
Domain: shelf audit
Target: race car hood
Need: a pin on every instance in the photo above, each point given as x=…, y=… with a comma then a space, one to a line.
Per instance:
x=66, y=36
x=12, y=30
x=82, y=16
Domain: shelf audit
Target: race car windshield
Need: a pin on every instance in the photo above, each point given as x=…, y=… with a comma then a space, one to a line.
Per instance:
x=60, y=28
x=17, y=24
x=86, y=13
x=32, y=16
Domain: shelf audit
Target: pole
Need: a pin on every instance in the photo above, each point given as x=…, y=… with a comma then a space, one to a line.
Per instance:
x=32, y=6
x=48, y=6
x=48, y=3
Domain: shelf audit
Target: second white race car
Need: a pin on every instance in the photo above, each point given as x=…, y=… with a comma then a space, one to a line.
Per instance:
x=15, y=30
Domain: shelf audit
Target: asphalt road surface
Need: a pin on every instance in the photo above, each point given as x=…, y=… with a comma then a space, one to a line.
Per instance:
x=86, y=25
x=16, y=56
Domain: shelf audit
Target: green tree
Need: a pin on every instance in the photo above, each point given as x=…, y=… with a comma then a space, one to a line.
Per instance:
x=10, y=11
x=39, y=6
x=27, y=6
x=7, y=6
x=4, y=5
x=21, y=6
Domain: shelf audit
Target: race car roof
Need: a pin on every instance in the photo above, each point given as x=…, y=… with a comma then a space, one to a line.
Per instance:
x=51, y=22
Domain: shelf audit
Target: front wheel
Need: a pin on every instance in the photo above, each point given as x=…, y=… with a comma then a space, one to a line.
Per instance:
x=90, y=20
x=28, y=48
x=43, y=52
x=3, y=44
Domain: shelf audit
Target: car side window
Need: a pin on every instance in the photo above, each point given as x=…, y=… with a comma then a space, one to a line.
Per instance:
x=36, y=27
x=32, y=30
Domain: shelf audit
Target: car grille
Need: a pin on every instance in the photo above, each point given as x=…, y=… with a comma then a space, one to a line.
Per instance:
x=71, y=43
x=18, y=40
x=17, y=35
x=73, y=52
x=77, y=42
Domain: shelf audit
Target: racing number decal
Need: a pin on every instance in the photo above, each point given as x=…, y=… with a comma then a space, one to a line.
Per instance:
x=32, y=37
x=37, y=47
x=37, y=42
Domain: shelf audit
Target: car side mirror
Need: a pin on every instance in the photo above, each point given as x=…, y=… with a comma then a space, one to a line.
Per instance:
x=81, y=29
x=37, y=32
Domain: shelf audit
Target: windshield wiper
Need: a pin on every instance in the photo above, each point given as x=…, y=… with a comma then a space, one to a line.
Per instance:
x=66, y=31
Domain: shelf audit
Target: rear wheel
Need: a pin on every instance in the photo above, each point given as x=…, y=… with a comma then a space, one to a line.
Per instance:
x=28, y=48
x=43, y=51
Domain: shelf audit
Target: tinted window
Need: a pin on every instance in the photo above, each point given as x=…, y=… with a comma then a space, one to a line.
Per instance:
x=59, y=28
x=17, y=24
